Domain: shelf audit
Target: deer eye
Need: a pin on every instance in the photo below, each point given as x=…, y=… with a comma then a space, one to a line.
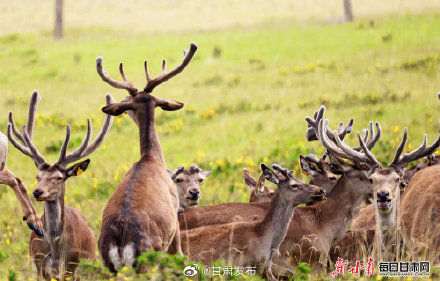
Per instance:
x=179, y=180
x=294, y=186
x=370, y=180
x=59, y=178
x=332, y=178
x=200, y=180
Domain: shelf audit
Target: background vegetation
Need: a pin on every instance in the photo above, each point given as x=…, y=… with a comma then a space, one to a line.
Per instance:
x=260, y=69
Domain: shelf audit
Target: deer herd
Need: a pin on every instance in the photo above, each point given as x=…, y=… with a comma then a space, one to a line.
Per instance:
x=353, y=207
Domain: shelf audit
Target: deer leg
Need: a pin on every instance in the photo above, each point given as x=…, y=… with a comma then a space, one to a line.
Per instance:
x=176, y=243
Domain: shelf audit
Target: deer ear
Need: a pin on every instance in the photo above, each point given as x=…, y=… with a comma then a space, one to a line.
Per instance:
x=170, y=172
x=168, y=105
x=306, y=166
x=269, y=174
x=248, y=179
x=77, y=169
x=116, y=109
x=206, y=174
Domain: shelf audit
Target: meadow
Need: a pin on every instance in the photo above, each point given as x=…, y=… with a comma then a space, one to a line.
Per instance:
x=246, y=94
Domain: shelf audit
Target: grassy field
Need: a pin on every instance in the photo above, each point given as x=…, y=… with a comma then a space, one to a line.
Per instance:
x=246, y=95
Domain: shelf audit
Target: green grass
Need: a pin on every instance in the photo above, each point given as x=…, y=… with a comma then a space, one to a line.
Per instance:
x=246, y=95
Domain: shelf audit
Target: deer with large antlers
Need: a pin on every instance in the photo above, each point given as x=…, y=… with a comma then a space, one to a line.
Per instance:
x=141, y=214
x=188, y=184
x=387, y=184
x=67, y=236
x=253, y=243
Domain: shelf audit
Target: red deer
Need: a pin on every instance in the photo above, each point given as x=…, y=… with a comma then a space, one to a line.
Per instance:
x=259, y=192
x=141, y=214
x=420, y=214
x=188, y=184
x=387, y=185
x=367, y=215
x=67, y=236
x=252, y=243
x=420, y=218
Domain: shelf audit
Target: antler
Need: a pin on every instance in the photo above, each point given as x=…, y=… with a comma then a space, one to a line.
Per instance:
x=313, y=126
x=373, y=136
x=417, y=153
x=177, y=171
x=282, y=170
x=195, y=169
x=127, y=85
x=342, y=150
x=85, y=148
x=152, y=83
x=25, y=139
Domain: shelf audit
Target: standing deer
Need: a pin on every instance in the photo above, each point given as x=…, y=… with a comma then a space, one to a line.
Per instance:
x=259, y=192
x=67, y=236
x=141, y=214
x=188, y=184
x=253, y=243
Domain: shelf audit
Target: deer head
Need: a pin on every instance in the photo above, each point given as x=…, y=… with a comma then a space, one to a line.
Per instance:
x=140, y=105
x=188, y=184
x=291, y=188
x=51, y=177
x=389, y=182
x=319, y=171
x=259, y=192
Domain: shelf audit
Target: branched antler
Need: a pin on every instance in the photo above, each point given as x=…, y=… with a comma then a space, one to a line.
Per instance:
x=152, y=83
x=339, y=148
x=25, y=139
x=85, y=148
x=420, y=152
x=313, y=126
x=127, y=85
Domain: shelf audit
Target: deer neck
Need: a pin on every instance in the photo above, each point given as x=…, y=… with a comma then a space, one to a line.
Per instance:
x=387, y=226
x=54, y=225
x=277, y=220
x=336, y=213
x=149, y=140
